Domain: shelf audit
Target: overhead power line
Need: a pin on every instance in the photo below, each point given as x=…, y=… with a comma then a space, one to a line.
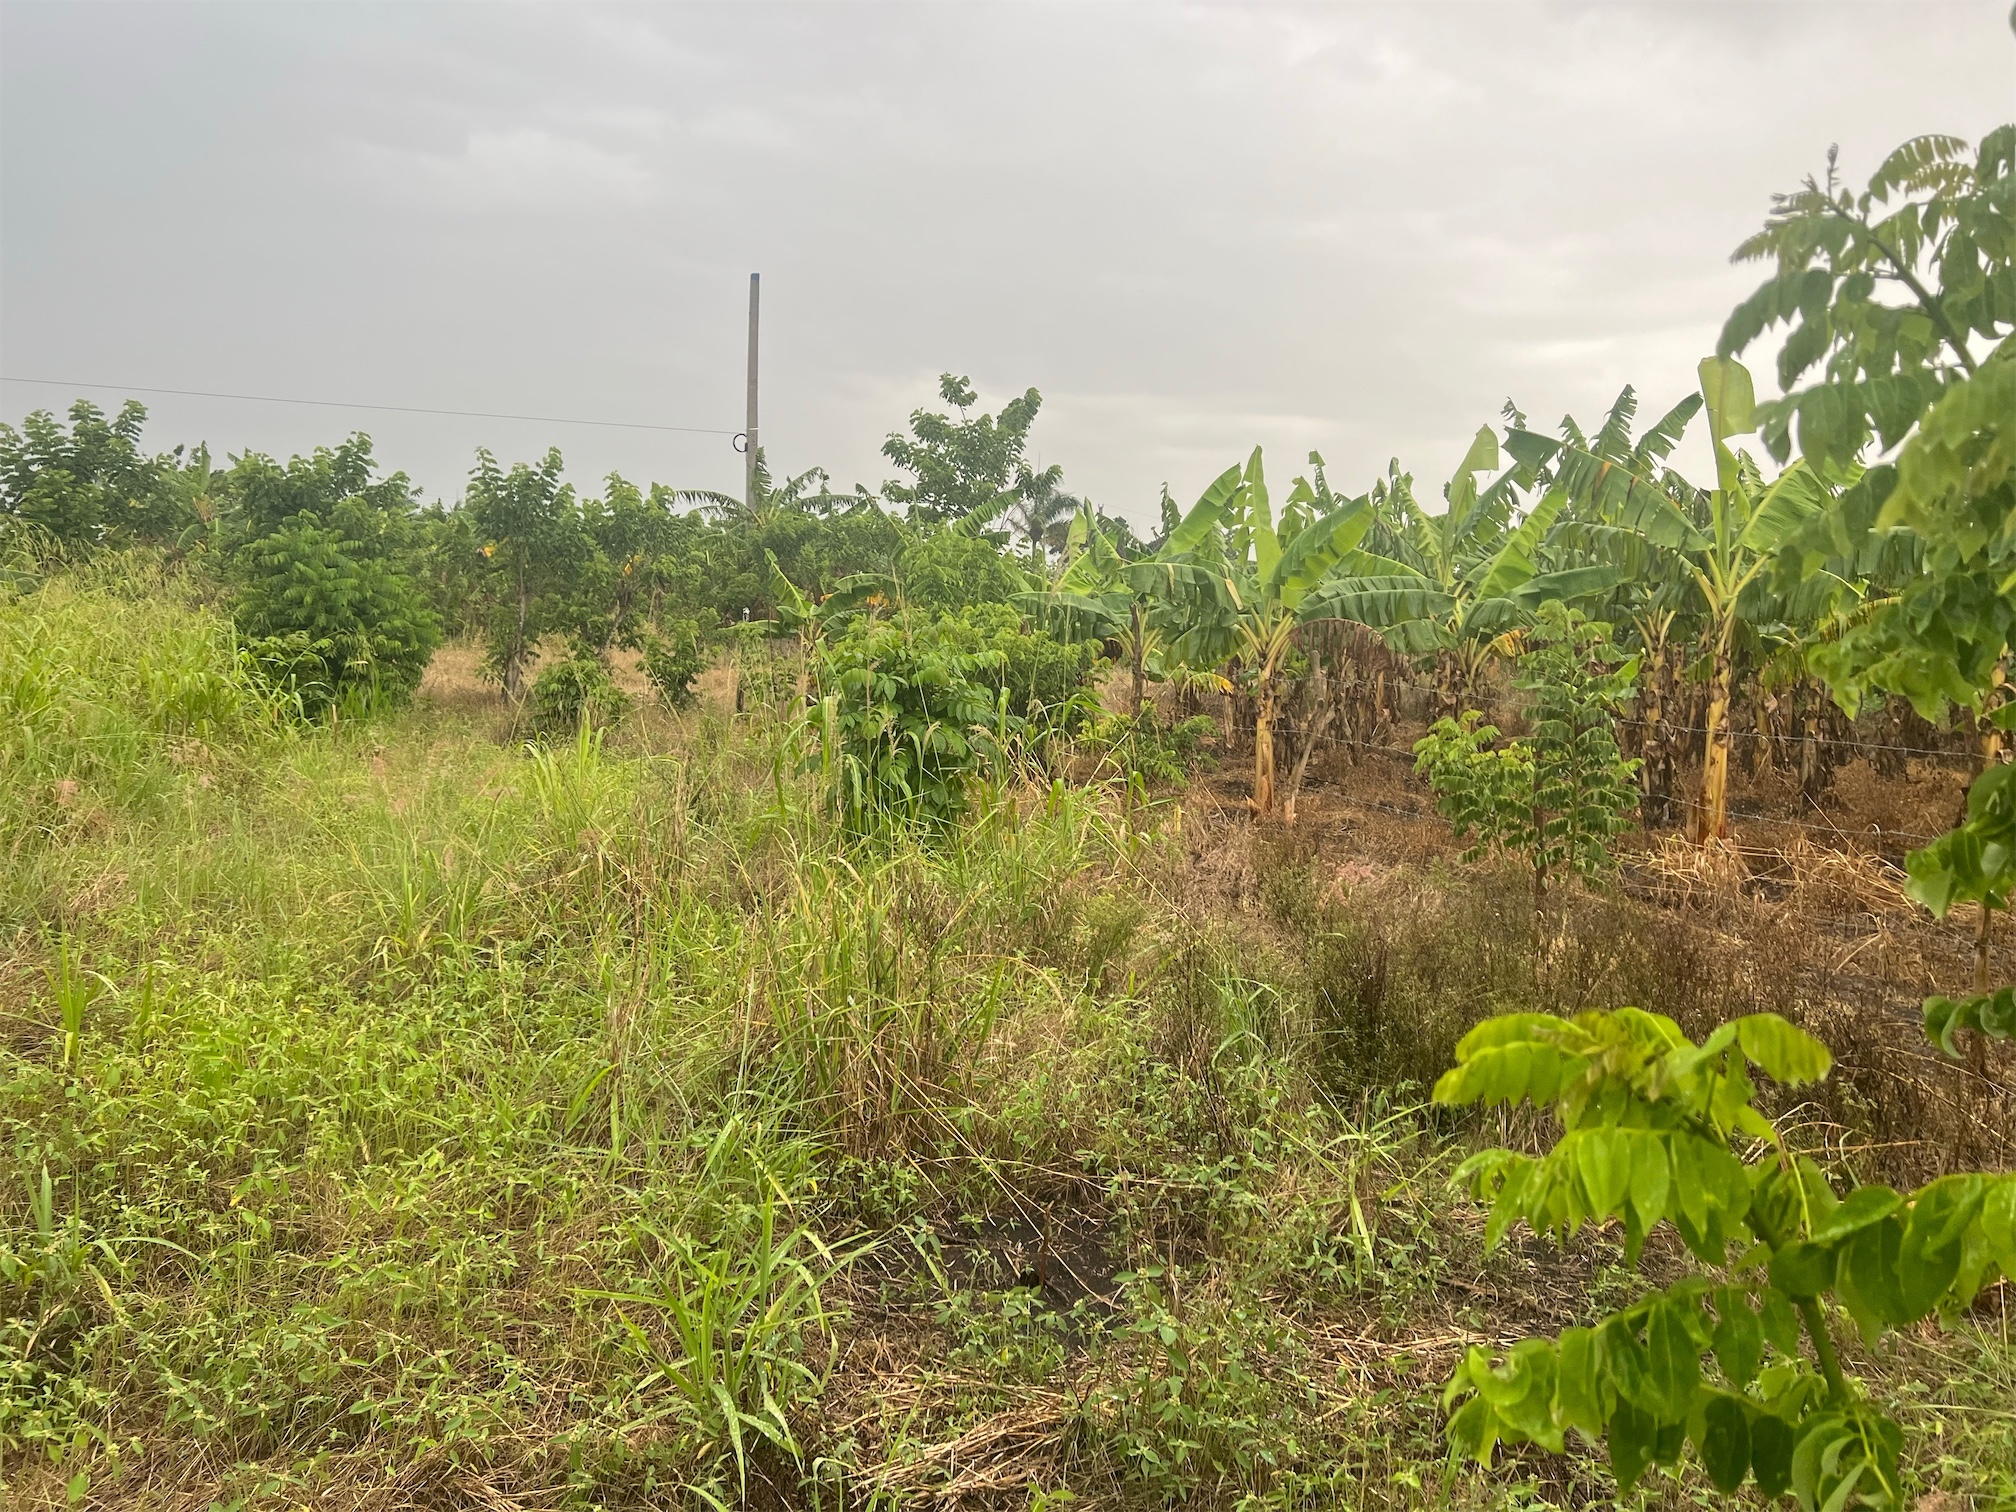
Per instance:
x=398, y=409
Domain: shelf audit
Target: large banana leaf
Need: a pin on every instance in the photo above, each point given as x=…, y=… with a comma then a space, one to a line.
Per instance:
x=1610, y=493
x=1657, y=443
x=793, y=608
x=1315, y=550
x=1258, y=517
x=1077, y=616
x=1514, y=562
x=1092, y=563
x=1569, y=585
x=1379, y=602
x=1204, y=515
x=1795, y=497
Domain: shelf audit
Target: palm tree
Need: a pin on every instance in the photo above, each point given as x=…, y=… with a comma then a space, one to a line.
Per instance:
x=807, y=493
x=1041, y=511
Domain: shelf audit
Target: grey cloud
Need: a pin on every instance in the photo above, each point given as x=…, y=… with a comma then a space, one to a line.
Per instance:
x=1357, y=228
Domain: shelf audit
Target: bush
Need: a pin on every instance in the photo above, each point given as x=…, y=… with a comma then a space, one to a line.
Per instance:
x=946, y=572
x=1047, y=681
x=907, y=721
x=1160, y=753
x=1555, y=796
x=331, y=621
x=574, y=692
x=673, y=658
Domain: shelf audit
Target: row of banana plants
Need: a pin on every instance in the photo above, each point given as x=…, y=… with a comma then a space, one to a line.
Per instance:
x=1797, y=553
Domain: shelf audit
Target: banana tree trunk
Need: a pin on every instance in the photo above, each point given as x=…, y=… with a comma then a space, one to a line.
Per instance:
x=1714, y=816
x=1263, y=750
x=1651, y=745
x=1138, y=651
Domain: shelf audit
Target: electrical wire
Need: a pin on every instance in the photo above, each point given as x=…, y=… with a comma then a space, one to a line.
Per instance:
x=397, y=409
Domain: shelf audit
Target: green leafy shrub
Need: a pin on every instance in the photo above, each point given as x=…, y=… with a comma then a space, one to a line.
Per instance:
x=945, y=571
x=906, y=723
x=1555, y=796
x=1191, y=1403
x=574, y=692
x=1656, y=1129
x=1046, y=681
x=331, y=621
x=1142, y=743
x=673, y=659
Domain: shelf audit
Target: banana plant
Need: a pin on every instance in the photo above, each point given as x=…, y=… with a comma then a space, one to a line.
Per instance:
x=1229, y=582
x=809, y=618
x=1144, y=604
x=1451, y=585
x=1274, y=573
x=1721, y=544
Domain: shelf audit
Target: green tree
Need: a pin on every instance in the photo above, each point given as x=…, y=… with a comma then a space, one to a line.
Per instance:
x=536, y=548
x=333, y=621
x=960, y=466
x=1260, y=582
x=1555, y=796
x=1886, y=294
x=1736, y=1360
x=262, y=495
x=90, y=482
x=1935, y=232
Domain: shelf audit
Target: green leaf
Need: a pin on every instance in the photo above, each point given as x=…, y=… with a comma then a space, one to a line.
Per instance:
x=1724, y=1442
x=1781, y=1322
x=1739, y=1336
x=1673, y=1362
x=1316, y=548
x=1472, y=1430
x=1512, y=1073
x=1625, y=1363
x=1928, y=1255
x=1204, y=515
x=1780, y=1050
x=1998, y=1223
x=1633, y=1439
x=1868, y=1283
x=1862, y=1207
x=1731, y=398
x=1603, y=1159
x=1580, y=1400
x=1802, y=1269
x=1651, y=1178
x=1771, y=1442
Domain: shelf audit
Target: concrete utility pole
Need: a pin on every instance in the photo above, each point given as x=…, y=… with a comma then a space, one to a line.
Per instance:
x=749, y=437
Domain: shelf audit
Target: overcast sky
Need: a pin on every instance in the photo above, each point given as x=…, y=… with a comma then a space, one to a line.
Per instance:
x=1351, y=227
